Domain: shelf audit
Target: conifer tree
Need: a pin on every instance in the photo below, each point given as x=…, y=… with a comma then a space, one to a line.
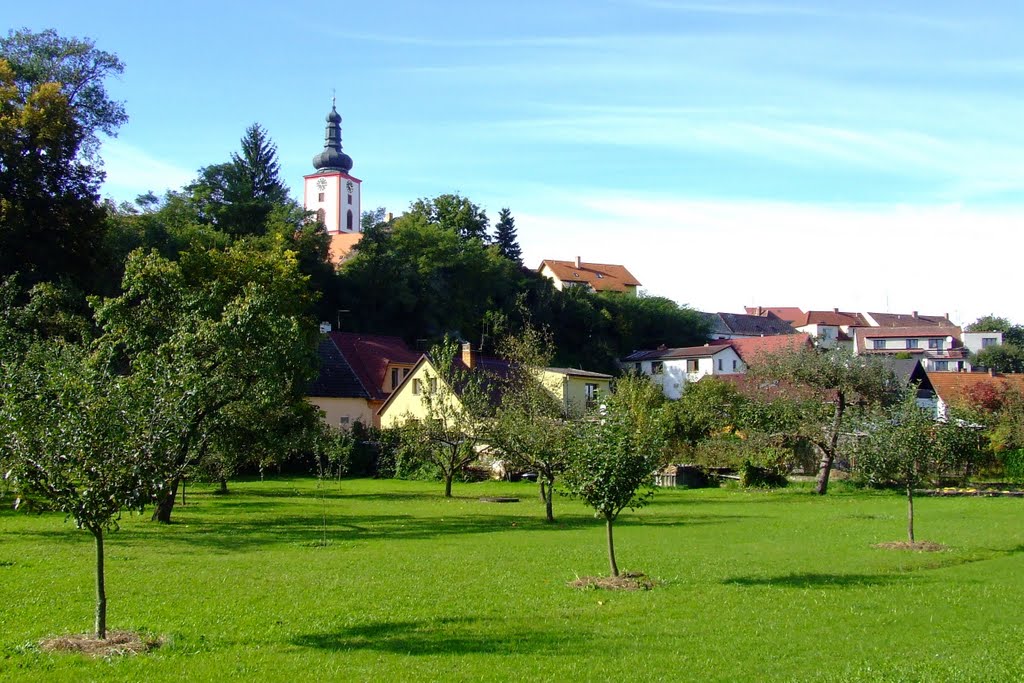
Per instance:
x=506, y=239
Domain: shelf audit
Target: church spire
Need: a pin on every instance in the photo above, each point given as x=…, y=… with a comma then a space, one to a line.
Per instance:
x=332, y=158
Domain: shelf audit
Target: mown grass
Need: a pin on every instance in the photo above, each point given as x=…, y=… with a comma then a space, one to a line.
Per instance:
x=752, y=586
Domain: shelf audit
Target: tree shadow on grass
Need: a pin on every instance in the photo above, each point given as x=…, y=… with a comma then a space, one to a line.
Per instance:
x=444, y=636
x=816, y=580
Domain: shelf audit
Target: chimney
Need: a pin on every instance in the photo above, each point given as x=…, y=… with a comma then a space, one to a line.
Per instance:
x=835, y=310
x=914, y=314
x=469, y=356
x=760, y=311
x=579, y=263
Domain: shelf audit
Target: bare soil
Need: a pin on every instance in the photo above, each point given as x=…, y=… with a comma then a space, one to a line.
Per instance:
x=627, y=581
x=116, y=644
x=919, y=546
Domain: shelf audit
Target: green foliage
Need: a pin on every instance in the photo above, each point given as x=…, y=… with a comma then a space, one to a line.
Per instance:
x=1005, y=357
x=50, y=225
x=79, y=69
x=1013, y=465
x=452, y=213
x=505, y=237
x=756, y=476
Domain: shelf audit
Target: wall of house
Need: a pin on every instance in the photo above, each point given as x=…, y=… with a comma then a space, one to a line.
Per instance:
x=406, y=403
x=342, y=412
x=975, y=341
x=675, y=376
x=550, y=274
x=575, y=396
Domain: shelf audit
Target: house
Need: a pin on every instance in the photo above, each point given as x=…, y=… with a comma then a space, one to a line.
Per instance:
x=358, y=372
x=673, y=369
x=908, y=320
x=576, y=389
x=939, y=348
x=976, y=341
x=596, y=277
x=952, y=388
x=909, y=372
x=741, y=325
x=831, y=328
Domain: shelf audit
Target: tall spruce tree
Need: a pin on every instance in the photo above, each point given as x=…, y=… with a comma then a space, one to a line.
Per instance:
x=505, y=237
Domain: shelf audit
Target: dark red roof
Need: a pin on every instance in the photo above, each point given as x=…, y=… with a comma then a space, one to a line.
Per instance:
x=751, y=348
x=370, y=355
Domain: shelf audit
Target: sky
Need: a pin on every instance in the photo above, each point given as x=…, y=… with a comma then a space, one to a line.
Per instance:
x=866, y=156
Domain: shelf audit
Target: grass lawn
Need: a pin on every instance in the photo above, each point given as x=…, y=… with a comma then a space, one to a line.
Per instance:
x=410, y=586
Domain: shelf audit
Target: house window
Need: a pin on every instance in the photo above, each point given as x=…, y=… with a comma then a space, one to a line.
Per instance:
x=878, y=344
x=912, y=343
x=693, y=365
x=988, y=341
x=405, y=372
x=320, y=197
x=735, y=363
x=935, y=344
x=657, y=367
x=590, y=391
x=348, y=220
x=417, y=387
x=941, y=365
x=637, y=366
x=433, y=385
x=394, y=377
x=721, y=363
x=344, y=420
x=826, y=332
x=321, y=215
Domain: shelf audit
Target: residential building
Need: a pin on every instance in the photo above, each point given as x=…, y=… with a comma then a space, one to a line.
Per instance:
x=578, y=390
x=357, y=374
x=954, y=388
x=596, y=277
x=908, y=320
x=830, y=328
x=673, y=369
x=740, y=325
x=976, y=341
x=939, y=348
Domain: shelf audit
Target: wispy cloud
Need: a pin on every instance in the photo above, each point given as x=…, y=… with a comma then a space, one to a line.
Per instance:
x=132, y=171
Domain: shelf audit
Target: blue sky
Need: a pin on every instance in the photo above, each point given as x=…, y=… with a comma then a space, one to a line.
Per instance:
x=862, y=155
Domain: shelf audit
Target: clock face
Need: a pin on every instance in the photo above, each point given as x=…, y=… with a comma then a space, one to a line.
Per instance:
x=349, y=185
x=321, y=184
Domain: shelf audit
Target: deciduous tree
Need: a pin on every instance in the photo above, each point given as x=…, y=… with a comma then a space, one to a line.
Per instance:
x=616, y=452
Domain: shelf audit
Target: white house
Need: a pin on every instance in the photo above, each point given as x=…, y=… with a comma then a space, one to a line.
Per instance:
x=673, y=369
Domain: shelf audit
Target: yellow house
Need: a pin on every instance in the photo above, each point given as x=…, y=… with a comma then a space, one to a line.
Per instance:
x=576, y=389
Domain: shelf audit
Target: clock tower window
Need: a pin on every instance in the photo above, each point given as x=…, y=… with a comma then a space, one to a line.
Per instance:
x=348, y=220
x=320, y=197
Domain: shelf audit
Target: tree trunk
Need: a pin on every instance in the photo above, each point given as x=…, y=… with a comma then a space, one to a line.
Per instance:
x=910, y=513
x=165, y=503
x=611, y=548
x=223, y=485
x=549, y=495
x=101, y=590
x=448, y=485
x=828, y=451
x=543, y=492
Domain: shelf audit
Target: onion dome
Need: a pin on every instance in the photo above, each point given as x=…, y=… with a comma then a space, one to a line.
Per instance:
x=332, y=158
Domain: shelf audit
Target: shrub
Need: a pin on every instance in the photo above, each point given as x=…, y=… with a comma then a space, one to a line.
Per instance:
x=1013, y=465
x=756, y=476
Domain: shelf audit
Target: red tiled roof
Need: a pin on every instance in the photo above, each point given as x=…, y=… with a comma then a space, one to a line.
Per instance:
x=752, y=348
x=370, y=355
x=342, y=244
x=954, y=386
x=787, y=313
x=603, y=277
x=910, y=320
x=843, y=318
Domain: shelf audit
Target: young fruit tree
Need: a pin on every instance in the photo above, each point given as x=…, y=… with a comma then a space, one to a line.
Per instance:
x=531, y=427
x=450, y=429
x=908, y=447
x=615, y=453
x=77, y=439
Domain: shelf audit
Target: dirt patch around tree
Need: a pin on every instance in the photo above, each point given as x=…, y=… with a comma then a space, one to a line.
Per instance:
x=116, y=644
x=627, y=581
x=919, y=546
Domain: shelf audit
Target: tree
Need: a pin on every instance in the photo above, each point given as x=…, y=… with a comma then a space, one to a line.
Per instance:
x=453, y=212
x=505, y=237
x=50, y=224
x=222, y=334
x=907, y=447
x=531, y=427
x=1004, y=357
x=456, y=403
x=820, y=378
x=80, y=71
x=615, y=454
x=78, y=438
x=238, y=197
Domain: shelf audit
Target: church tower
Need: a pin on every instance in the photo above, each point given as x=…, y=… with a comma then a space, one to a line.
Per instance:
x=330, y=190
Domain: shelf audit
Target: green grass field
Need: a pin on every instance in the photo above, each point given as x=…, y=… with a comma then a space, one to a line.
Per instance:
x=752, y=586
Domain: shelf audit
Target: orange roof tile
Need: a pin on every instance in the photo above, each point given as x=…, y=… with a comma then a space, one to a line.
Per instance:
x=342, y=244
x=603, y=277
x=752, y=348
x=787, y=313
x=955, y=386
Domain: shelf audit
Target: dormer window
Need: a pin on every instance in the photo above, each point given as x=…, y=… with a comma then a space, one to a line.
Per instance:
x=600, y=276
